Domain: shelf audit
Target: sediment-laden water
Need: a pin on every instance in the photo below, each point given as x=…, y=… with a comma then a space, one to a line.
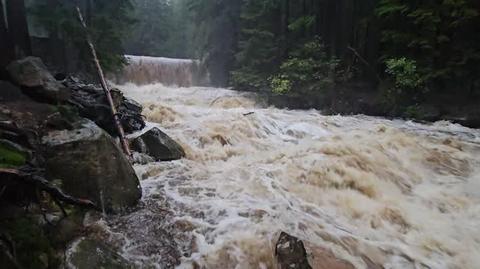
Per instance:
x=398, y=194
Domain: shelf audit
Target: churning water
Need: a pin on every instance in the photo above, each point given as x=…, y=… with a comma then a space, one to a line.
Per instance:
x=373, y=191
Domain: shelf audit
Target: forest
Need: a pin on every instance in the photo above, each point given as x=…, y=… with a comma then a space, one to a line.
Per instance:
x=402, y=58
x=276, y=134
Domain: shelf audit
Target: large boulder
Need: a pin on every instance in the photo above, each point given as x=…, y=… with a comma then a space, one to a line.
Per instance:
x=36, y=81
x=88, y=253
x=158, y=145
x=92, y=104
x=91, y=166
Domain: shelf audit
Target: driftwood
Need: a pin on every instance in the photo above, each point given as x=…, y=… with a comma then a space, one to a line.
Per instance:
x=44, y=185
x=106, y=89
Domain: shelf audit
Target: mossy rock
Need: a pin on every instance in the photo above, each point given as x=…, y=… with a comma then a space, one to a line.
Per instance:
x=32, y=247
x=11, y=156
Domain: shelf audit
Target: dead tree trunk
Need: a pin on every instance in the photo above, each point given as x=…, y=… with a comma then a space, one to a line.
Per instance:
x=103, y=82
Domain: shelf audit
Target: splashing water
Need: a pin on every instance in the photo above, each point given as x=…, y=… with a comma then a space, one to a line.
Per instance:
x=403, y=194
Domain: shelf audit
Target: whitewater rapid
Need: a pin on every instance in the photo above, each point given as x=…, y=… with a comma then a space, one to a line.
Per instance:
x=373, y=191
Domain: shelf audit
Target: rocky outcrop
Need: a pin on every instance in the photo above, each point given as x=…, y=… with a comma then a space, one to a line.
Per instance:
x=36, y=81
x=88, y=253
x=158, y=145
x=92, y=104
x=290, y=253
x=91, y=166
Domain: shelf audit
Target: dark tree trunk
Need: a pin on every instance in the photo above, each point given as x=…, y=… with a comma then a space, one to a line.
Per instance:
x=57, y=46
x=286, y=22
x=6, y=52
x=18, y=28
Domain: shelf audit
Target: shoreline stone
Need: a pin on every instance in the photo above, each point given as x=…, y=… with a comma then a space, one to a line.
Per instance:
x=91, y=166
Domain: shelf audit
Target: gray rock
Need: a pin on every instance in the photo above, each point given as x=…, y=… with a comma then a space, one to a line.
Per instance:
x=158, y=145
x=36, y=81
x=88, y=253
x=290, y=253
x=91, y=166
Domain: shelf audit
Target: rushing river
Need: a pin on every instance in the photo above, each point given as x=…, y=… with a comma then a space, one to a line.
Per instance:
x=373, y=191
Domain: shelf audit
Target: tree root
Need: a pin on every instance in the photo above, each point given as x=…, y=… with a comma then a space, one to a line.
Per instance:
x=41, y=183
x=7, y=248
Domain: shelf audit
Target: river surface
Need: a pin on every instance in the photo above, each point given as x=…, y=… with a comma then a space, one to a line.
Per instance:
x=373, y=191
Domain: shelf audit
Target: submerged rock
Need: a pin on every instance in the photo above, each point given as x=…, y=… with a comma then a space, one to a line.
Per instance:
x=290, y=253
x=141, y=158
x=91, y=166
x=88, y=253
x=158, y=145
x=36, y=81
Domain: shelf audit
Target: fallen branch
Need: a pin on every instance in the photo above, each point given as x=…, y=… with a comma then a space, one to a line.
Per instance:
x=44, y=185
x=365, y=62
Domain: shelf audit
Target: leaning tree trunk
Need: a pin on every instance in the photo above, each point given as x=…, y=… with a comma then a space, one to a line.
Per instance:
x=106, y=89
x=17, y=23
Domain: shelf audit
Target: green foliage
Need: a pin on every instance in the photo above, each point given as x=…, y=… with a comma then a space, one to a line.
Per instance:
x=308, y=68
x=281, y=84
x=259, y=48
x=404, y=73
x=108, y=24
x=412, y=112
x=407, y=85
x=31, y=245
x=441, y=37
x=11, y=157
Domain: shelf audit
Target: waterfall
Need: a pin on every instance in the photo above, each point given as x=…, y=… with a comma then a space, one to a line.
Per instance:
x=142, y=70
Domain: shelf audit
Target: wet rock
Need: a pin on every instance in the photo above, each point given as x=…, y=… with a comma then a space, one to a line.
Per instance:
x=158, y=145
x=92, y=104
x=141, y=158
x=290, y=253
x=66, y=229
x=91, y=166
x=36, y=81
x=89, y=253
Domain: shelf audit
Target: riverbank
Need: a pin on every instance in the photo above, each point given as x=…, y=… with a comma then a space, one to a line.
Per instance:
x=364, y=99
x=62, y=171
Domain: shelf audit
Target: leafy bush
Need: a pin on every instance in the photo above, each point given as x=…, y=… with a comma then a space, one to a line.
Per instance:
x=308, y=68
x=404, y=73
x=405, y=85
